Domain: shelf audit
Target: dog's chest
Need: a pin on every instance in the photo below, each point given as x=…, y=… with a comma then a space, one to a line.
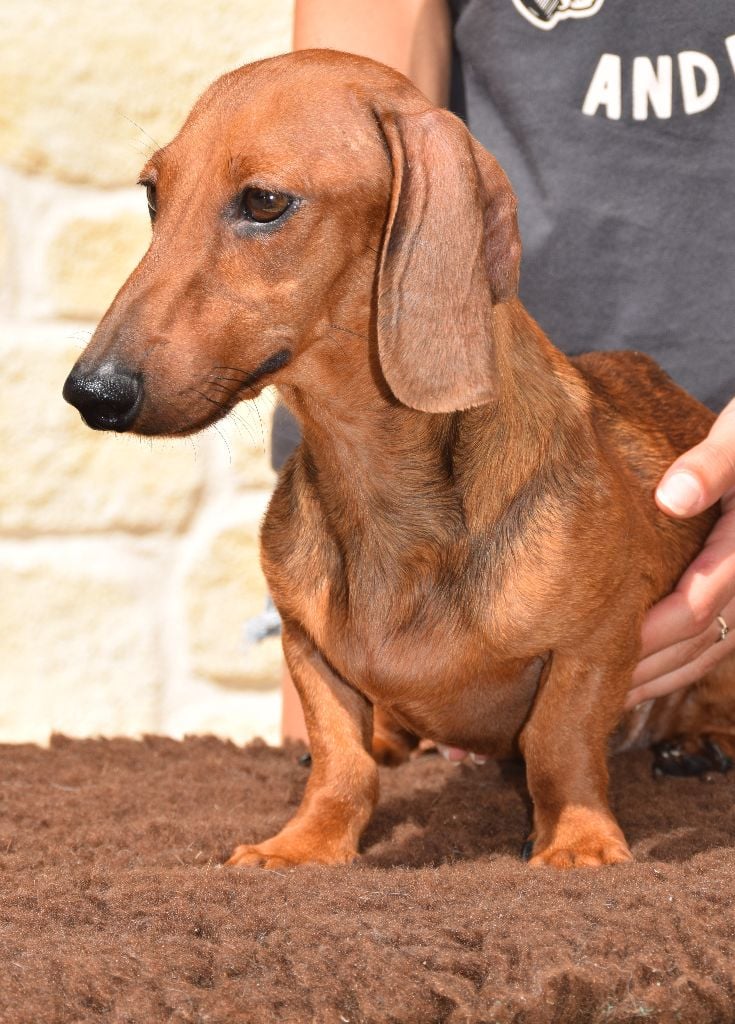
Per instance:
x=440, y=678
x=411, y=636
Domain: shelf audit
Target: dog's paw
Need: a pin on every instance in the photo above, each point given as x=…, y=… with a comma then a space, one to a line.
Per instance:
x=580, y=837
x=256, y=857
x=288, y=852
x=588, y=852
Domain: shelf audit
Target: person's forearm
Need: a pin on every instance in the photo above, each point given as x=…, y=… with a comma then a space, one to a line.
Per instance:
x=413, y=36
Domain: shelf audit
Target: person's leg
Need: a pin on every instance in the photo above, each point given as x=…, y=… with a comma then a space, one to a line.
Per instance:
x=293, y=726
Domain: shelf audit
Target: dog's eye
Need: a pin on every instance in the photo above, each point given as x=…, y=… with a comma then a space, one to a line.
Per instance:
x=150, y=193
x=262, y=205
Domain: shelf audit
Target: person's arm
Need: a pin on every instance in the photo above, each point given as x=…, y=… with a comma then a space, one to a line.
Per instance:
x=412, y=36
x=683, y=633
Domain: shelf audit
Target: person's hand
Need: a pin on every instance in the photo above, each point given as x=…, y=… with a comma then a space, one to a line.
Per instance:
x=682, y=633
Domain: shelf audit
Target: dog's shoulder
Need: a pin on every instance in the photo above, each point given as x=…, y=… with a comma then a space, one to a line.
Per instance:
x=294, y=518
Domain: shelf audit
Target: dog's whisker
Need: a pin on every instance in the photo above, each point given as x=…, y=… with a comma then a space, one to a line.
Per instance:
x=140, y=129
x=242, y=424
x=339, y=344
x=239, y=421
x=227, y=446
x=222, y=387
x=233, y=392
x=347, y=330
x=228, y=406
x=235, y=369
x=142, y=148
x=262, y=428
x=220, y=405
x=231, y=380
x=270, y=396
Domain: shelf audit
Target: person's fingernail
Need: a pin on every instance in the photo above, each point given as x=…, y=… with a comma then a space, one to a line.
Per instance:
x=681, y=493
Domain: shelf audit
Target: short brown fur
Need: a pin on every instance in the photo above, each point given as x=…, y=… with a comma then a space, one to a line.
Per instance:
x=466, y=537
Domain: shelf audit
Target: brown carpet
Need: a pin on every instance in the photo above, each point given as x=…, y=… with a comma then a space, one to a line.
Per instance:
x=113, y=906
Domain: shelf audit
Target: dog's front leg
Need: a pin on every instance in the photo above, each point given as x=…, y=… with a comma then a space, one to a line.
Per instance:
x=565, y=747
x=343, y=786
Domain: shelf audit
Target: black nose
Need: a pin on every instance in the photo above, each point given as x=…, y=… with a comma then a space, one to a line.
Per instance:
x=108, y=398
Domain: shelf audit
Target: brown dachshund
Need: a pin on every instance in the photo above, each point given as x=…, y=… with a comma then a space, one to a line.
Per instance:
x=467, y=536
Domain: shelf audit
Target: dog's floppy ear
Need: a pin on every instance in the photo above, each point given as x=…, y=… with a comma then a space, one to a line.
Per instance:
x=451, y=251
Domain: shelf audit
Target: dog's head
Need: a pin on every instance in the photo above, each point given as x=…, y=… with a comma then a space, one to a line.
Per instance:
x=305, y=195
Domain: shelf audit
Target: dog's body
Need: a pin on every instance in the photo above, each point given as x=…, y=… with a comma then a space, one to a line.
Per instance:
x=466, y=537
x=448, y=618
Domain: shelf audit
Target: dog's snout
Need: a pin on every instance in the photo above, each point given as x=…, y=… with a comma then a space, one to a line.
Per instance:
x=108, y=397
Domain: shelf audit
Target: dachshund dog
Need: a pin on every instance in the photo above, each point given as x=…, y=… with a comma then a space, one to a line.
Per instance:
x=466, y=537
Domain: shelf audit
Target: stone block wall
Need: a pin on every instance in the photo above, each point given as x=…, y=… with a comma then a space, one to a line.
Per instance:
x=128, y=566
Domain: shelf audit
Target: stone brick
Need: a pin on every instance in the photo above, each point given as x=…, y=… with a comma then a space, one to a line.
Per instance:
x=58, y=476
x=89, y=259
x=238, y=715
x=5, y=266
x=225, y=586
x=116, y=79
x=3, y=239
x=79, y=643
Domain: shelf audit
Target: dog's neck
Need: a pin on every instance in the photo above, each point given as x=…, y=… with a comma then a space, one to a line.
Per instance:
x=372, y=459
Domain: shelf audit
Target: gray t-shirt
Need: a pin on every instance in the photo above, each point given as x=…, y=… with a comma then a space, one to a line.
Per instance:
x=615, y=121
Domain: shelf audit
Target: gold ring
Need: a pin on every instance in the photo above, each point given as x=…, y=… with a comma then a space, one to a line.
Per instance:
x=724, y=629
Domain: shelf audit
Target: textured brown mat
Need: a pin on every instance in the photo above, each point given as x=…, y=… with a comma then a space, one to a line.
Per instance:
x=113, y=906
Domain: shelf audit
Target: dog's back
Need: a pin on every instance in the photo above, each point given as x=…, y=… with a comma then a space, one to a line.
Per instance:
x=641, y=395
x=648, y=421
